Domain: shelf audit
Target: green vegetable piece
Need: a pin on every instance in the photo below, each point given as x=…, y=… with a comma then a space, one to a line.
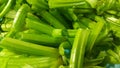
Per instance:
x=42, y=4
x=58, y=16
x=19, y=20
x=31, y=16
x=41, y=39
x=44, y=28
x=78, y=48
x=6, y=8
x=72, y=33
x=52, y=20
x=30, y=62
x=113, y=54
x=29, y=48
x=94, y=33
x=6, y=26
x=65, y=3
x=33, y=24
x=93, y=3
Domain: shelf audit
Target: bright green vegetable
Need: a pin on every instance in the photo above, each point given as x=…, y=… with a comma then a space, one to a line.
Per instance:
x=52, y=20
x=59, y=33
x=6, y=8
x=42, y=39
x=94, y=34
x=30, y=48
x=78, y=48
x=47, y=29
x=38, y=3
x=19, y=20
x=58, y=16
x=66, y=3
x=33, y=62
x=39, y=26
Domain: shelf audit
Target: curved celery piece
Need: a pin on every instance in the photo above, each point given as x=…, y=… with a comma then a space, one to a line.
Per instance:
x=78, y=48
x=95, y=33
x=19, y=20
x=6, y=8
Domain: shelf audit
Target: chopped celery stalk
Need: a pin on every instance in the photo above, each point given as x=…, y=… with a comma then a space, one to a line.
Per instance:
x=33, y=24
x=31, y=31
x=94, y=34
x=33, y=17
x=6, y=8
x=65, y=3
x=44, y=28
x=30, y=48
x=20, y=17
x=19, y=20
x=41, y=39
x=85, y=21
x=58, y=16
x=78, y=48
x=36, y=62
x=51, y=19
x=38, y=3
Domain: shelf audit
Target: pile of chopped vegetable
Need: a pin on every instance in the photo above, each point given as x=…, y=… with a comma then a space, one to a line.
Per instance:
x=59, y=33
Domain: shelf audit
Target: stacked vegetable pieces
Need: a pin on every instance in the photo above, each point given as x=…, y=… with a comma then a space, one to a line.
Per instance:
x=59, y=34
